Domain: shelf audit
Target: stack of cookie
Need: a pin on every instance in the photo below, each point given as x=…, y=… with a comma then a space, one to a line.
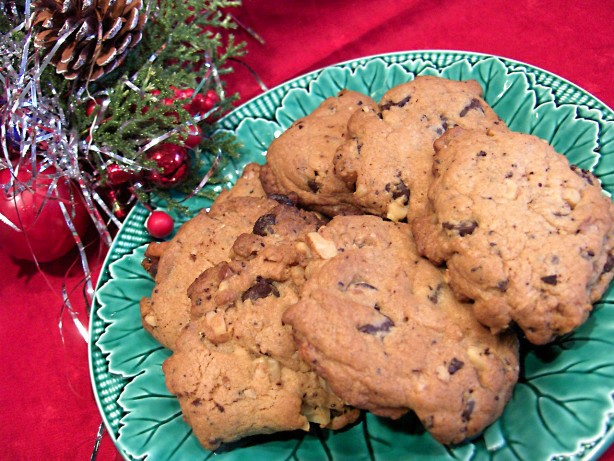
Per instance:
x=383, y=259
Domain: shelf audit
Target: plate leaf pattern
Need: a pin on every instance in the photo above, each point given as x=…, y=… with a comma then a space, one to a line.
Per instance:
x=130, y=349
x=561, y=409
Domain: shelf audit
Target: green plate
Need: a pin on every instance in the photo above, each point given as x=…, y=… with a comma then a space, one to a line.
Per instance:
x=562, y=407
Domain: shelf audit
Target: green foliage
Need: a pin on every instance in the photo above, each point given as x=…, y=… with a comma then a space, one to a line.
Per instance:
x=186, y=44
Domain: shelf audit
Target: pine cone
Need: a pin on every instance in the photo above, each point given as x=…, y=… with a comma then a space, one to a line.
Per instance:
x=96, y=34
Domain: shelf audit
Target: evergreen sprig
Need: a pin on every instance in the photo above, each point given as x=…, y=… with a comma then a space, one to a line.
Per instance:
x=188, y=44
x=177, y=39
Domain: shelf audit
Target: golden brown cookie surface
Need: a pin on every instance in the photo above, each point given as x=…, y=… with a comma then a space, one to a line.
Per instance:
x=387, y=157
x=379, y=323
x=300, y=161
x=237, y=360
x=525, y=235
x=200, y=243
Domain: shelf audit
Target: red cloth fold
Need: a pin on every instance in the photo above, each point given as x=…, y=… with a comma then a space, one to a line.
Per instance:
x=48, y=411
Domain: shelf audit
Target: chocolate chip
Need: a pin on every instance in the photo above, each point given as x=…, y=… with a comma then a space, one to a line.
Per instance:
x=550, y=279
x=390, y=104
x=197, y=402
x=474, y=104
x=282, y=199
x=313, y=186
x=481, y=154
x=444, y=122
x=219, y=407
x=151, y=265
x=455, y=365
x=397, y=190
x=435, y=292
x=261, y=289
x=463, y=228
x=585, y=174
x=264, y=225
x=374, y=329
x=502, y=285
x=466, y=414
x=609, y=264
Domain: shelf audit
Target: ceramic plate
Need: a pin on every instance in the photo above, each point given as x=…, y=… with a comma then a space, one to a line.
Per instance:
x=561, y=407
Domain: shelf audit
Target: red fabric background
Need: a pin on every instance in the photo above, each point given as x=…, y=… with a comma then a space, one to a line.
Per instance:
x=48, y=411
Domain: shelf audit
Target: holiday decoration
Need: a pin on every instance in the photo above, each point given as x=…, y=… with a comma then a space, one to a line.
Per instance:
x=36, y=215
x=117, y=176
x=193, y=136
x=93, y=35
x=159, y=224
x=118, y=100
x=172, y=165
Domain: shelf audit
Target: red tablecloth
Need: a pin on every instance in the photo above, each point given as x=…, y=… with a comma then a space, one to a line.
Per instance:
x=48, y=411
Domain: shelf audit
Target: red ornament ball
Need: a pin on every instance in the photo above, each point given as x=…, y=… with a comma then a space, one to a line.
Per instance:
x=173, y=162
x=159, y=224
x=44, y=232
x=116, y=175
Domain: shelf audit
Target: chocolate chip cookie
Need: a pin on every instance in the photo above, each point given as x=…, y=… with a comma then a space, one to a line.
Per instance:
x=200, y=243
x=523, y=233
x=236, y=370
x=300, y=161
x=247, y=185
x=387, y=156
x=380, y=325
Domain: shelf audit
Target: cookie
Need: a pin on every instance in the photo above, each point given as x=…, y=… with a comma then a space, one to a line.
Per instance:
x=523, y=233
x=236, y=370
x=266, y=266
x=247, y=185
x=200, y=243
x=380, y=325
x=300, y=161
x=387, y=156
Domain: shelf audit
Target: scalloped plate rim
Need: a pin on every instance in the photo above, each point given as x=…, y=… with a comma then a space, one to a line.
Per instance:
x=608, y=434
x=413, y=52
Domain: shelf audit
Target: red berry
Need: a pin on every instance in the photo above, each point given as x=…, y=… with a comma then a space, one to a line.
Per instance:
x=202, y=103
x=193, y=107
x=212, y=98
x=194, y=136
x=159, y=224
x=92, y=105
x=183, y=94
